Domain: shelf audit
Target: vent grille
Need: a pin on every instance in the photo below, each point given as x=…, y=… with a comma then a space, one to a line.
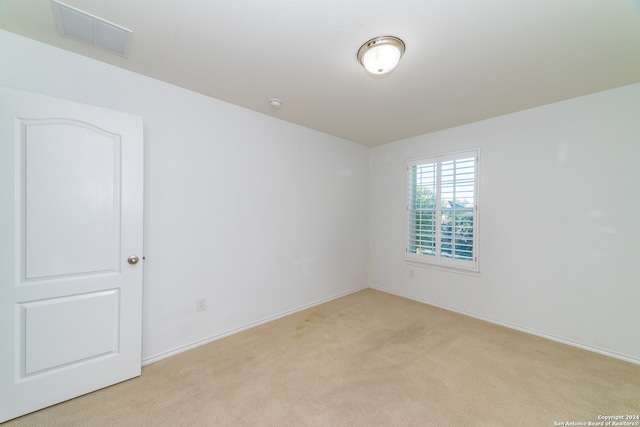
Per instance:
x=81, y=26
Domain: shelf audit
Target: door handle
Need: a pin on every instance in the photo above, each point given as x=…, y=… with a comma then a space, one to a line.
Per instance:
x=133, y=259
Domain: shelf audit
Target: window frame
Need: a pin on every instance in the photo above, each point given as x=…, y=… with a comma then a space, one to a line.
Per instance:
x=437, y=259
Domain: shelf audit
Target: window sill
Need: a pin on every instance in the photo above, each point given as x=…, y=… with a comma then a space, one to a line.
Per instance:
x=451, y=269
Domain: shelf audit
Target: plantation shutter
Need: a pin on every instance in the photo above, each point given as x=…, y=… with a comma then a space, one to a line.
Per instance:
x=442, y=210
x=422, y=209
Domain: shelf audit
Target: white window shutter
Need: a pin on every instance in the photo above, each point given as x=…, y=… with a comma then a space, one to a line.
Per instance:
x=442, y=216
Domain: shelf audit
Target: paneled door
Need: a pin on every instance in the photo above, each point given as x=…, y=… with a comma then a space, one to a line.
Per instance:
x=71, y=186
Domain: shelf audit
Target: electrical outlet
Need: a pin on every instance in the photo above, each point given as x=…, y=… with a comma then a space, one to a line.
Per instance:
x=201, y=304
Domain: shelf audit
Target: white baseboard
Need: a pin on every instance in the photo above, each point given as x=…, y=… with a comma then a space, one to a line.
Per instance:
x=517, y=328
x=204, y=341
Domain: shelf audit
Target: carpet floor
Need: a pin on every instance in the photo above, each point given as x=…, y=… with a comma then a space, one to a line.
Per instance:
x=367, y=359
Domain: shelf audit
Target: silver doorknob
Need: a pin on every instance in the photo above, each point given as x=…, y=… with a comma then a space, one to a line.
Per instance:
x=133, y=259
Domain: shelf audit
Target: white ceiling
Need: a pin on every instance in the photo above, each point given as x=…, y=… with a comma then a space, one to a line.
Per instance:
x=466, y=60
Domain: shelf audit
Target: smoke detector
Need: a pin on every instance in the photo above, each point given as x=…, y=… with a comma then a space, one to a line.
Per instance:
x=275, y=103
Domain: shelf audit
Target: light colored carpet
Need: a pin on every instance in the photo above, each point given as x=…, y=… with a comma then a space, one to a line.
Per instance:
x=367, y=359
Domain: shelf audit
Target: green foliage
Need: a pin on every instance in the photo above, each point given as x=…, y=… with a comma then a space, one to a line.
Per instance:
x=457, y=233
x=456, y=226
x=425, y=199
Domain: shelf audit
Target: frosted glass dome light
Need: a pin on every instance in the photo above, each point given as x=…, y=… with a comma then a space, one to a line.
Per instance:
x=381, y=54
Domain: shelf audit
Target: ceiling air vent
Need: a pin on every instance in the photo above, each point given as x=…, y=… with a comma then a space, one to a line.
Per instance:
x=78, y=25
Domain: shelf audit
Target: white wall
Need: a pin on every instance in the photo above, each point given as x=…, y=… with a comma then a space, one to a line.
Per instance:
x=262, y=217
x=559, y=222
x=259, y=216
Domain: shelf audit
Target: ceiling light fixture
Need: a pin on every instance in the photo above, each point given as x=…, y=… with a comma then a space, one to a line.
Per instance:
x=381, y=54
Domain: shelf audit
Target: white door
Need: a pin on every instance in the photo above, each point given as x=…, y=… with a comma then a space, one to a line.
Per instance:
x=71, y=180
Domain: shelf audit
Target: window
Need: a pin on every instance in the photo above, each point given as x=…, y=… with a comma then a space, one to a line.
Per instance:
x=442, y=210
